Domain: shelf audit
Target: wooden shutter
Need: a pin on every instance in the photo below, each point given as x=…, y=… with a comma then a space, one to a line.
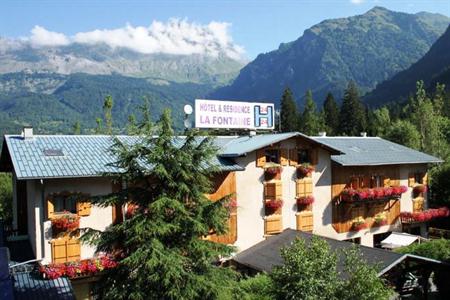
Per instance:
x=411, y=179
x=83, y=208
x=314, y=156
x=305, y=221
x=65, y=250
x=304, y=187
x=386, y=181
x=272, y=190
x=418, y=204
x=231, y=236
x=273, y=224
x=284, y=156
x=260, y=158
x=293, y=157
x=50, y=208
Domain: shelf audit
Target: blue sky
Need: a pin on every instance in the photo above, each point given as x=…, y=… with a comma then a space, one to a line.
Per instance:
x=257, y=26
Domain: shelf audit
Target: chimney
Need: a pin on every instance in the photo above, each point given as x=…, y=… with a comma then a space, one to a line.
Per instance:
x=27, y=132
x=364, y=134
x=322, y=133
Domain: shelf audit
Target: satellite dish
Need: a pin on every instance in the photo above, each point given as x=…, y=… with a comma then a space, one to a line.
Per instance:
x=188, y=109
x=187, y=124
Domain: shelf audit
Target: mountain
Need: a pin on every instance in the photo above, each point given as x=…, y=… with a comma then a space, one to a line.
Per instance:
x=101, y=59
x=433, y=67
x=367, y=49
x=53, y=102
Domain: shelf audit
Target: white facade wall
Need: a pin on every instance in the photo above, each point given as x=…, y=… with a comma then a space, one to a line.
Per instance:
x=99, y=218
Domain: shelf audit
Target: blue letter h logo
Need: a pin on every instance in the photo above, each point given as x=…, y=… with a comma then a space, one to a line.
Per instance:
x=263, y=117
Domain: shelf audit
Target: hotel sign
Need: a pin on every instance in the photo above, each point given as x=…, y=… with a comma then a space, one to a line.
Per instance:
x=233, y=114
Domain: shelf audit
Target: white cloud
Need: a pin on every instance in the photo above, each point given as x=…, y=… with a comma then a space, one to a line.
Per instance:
x=173, y=37
x=42, y=37
x=357, y=1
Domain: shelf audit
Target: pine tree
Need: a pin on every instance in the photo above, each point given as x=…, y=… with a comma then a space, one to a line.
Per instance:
x=132, y=128
x=352, y=118
x=379, y=121
x=289, y=113
x=99, y=127
x=107, y=109
x=159, y=246
x=331, y=114
x=310, y=123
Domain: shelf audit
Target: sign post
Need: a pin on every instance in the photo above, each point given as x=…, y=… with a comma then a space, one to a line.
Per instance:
x=233, y=114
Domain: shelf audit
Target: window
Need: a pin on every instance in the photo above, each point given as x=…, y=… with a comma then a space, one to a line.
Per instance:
x=418, y=177
x=65, y=203
x=357, y=182
x=272, y=156
x=377, y=181
x=303, y=156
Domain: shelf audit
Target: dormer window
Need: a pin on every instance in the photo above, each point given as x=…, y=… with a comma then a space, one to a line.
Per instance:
x=303, y=156
x=272, y=156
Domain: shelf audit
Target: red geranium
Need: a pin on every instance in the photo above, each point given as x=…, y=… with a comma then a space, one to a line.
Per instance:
x=305, y=200
x=419, y=189
x=274, y=204
x=304, y=170
x=66, y=221
x=273, y=170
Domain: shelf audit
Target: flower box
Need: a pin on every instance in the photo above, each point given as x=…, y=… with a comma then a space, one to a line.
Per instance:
x=307, y=200
x=87, y=267
x=304, y=170
x=424, y=216
x=65, y=222
x=380, y=219
x=273, y=205
x=419, y=189
x=359, y=224
x=381, y=193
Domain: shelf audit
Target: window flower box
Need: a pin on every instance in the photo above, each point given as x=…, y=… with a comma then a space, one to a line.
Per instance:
x=424, y=216
x=272, y=171
x=273, y=205
x=419, y=189
x=65, y=222
x=380, y=219
x=381, y=193
x=87, y=267
x=307, y=200
x=304, y=170
x=359, y=224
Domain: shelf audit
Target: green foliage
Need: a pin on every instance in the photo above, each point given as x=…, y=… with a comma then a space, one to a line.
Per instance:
x=289, y=113
x=258, y=287
x=363, y=282
x=309, y=272
x=77, y=128
x=331, y=114
x=404, y=133
x=160, y=248
x=107, y=110
x=379, y=122
x=440, y=183
x=352, y=118
x=310, y=121
x=5, y=196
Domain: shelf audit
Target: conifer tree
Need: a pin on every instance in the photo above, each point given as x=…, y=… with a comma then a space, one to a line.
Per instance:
x=310, y=123
x=99, y=127
x=159, y=246
x=352, y=118
x=331, y=114
x=132, y=126
x=107, y=109
x=289, y=113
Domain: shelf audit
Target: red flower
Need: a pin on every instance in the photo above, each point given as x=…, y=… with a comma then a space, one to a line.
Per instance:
x=66, y=221
x=274, y=204
x=305, y=200
x=419, y=189
x=273, y=170
x=362, y=194
x=379, y=193
x=304, y=170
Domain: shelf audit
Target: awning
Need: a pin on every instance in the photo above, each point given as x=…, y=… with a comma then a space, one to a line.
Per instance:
x=398, y=239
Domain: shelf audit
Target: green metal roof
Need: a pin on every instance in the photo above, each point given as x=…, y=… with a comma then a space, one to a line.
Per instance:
x=373, y=151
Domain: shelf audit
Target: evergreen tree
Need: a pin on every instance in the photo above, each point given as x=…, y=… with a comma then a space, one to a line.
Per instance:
x=310, y=123
x=77, y=128
x=159, y=246
x=107, y=109
x=352, y=118
x=289, y=112
x=99, y=127
x=331, y=114
x=404, y=133
x=146, y=124
x=132, y=128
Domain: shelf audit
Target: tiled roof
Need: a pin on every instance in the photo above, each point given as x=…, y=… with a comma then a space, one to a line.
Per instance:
x=28, y=285
x=83, y=156
x=244, y=144
x=366, y=151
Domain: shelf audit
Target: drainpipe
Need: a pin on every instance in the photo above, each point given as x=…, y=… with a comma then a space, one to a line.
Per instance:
x=42, y=217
